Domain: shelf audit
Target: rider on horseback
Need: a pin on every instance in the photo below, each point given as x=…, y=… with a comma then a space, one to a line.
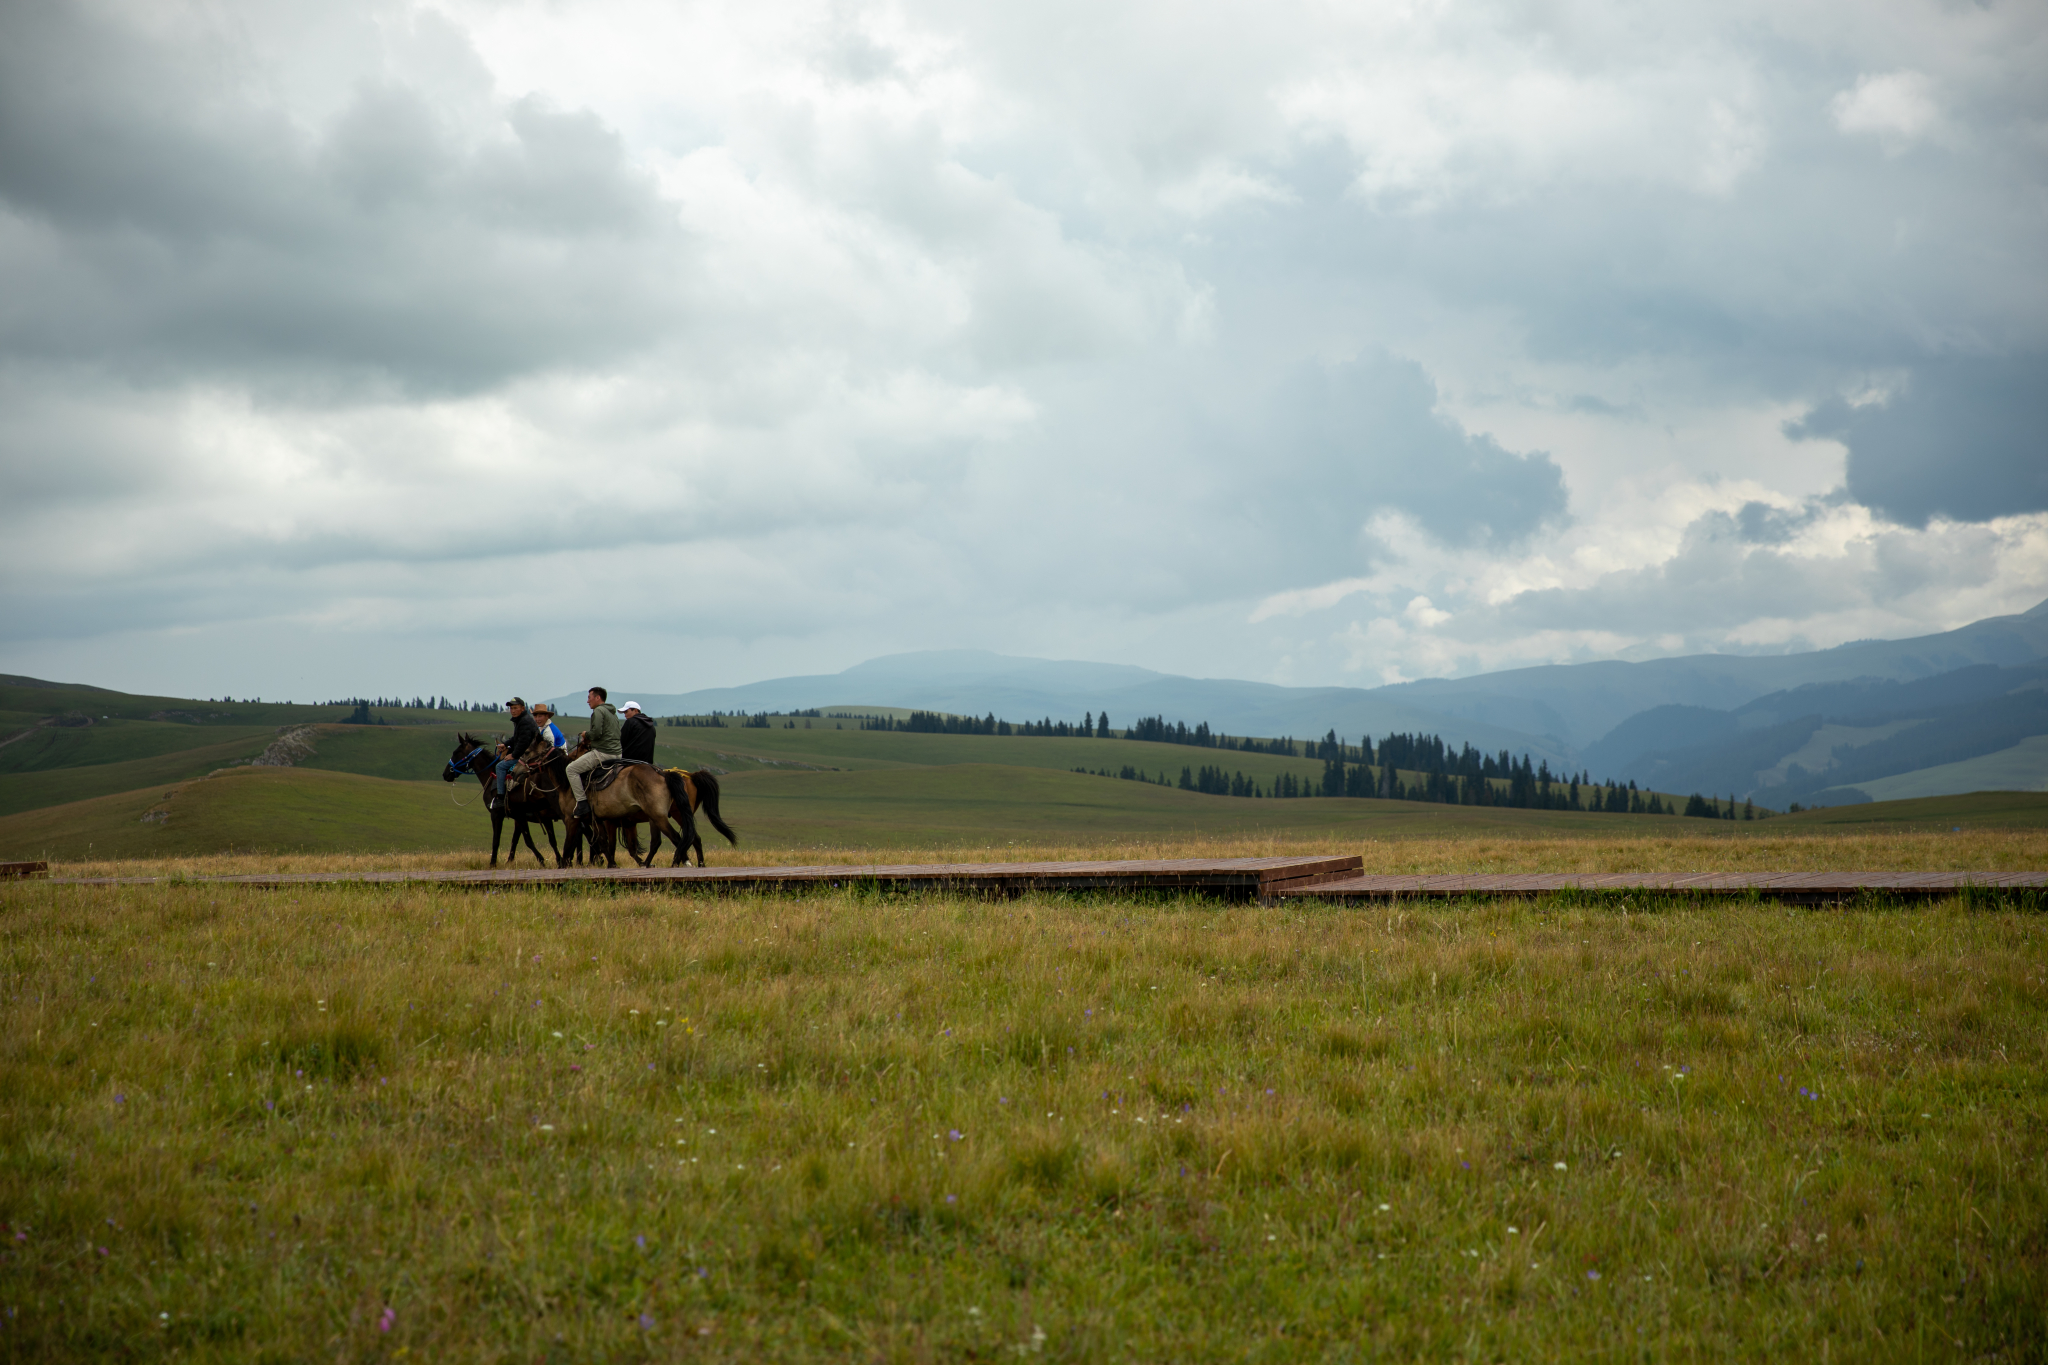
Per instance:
x=523, y=732
x=544, y=720
x=603, y=737
x=636, y=735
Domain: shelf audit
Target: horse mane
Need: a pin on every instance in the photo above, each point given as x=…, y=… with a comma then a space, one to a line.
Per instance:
x=465, y=737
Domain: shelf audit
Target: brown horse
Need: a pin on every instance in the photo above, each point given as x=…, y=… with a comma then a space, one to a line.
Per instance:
x=698, y=791
x=473, y=756
x=639, y=792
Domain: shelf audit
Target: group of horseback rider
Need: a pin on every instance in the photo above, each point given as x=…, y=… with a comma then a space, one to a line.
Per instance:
x=609, y=739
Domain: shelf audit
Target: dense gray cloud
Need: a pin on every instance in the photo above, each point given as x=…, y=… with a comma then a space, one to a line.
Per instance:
x=1312, y=344
x=168, y=218
x=1366, y=435
x=1965, y=437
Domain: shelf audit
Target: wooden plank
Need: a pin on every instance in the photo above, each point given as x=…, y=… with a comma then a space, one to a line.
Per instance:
x=1330, y=879
x=1780, y=885
x=1234, y=878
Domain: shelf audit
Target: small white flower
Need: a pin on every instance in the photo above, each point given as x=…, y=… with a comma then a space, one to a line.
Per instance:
x=547, y=1127
x=1386, y=1208
x=1559, y=1166
x=1514, y=1232
x=558, y=1035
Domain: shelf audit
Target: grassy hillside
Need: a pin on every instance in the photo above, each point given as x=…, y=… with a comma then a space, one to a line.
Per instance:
x=972, y=804
x=53, y=787
x=948, y=811
x=252, y=809
x=1992, y=809
x=2022, y=768
x=961, y=805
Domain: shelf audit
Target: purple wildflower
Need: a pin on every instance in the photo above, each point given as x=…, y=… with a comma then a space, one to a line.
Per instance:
x=646, y=1322
x=390, y=1318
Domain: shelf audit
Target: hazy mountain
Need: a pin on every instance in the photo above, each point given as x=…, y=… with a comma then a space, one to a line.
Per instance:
x=1820, y=741
x=1566, y=713
x=1587, y=699
x=977, y=682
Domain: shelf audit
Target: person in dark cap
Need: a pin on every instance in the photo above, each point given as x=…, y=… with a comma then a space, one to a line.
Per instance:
x=523, y=733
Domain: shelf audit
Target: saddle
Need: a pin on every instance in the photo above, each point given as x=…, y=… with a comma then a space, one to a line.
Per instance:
x=608, y=772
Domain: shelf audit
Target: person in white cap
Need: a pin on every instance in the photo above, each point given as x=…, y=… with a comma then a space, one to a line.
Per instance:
x=636, y=735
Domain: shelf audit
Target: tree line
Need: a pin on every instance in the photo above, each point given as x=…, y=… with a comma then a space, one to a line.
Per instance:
x=941, y=723
x=363, y=704
x=1401, y=767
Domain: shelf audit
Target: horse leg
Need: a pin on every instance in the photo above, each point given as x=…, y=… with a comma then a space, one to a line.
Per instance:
x=630, y=829
x=525, y=827
x=686, y=837
x=547, y=823
x=497, y=832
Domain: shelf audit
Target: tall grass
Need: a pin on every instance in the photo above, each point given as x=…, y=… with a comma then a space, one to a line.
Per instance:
x=357, y=1123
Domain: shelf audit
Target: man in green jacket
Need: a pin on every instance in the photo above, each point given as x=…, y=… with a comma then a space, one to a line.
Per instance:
x=603, y=735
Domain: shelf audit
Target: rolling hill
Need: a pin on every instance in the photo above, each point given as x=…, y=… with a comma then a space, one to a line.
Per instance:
x=1602, y=715
x=1972, y=729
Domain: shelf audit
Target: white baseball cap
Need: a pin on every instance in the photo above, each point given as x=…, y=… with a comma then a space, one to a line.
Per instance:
x=631, y=706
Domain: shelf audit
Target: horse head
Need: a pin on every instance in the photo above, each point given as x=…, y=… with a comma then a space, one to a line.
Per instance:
x=467, y=747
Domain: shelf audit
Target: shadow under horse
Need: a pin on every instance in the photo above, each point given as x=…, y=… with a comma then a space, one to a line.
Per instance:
x=524, y=803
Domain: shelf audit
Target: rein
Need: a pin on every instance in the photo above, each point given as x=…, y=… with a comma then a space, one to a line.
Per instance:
x=466, y=765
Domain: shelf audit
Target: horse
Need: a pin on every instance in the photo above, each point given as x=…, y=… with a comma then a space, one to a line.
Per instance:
x=639, y=792
x=473, y=756
x=697, y=791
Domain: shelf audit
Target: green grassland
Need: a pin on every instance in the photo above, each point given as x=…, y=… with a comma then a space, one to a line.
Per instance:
x=48, y=788
x=80, y=792
x=2023, y=767
x=365, y=1123
x=254, y=810
x=958, y=805
x=1994, y=809
x=962, y=810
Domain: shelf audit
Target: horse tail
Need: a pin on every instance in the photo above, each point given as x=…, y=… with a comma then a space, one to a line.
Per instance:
x=707, y=793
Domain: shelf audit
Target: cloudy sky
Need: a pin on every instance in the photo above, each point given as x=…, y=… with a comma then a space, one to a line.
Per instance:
x=475, y=346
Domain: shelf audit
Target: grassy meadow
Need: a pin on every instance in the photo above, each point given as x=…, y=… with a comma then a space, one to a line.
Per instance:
x=82, y=795
x=360, y=1124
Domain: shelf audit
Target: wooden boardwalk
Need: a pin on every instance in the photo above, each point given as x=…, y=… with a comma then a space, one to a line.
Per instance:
x=1226, y=878
x=1327, y=879
x=1799, y=887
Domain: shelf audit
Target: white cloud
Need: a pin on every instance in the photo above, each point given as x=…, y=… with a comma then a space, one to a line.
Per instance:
x=1898, y=106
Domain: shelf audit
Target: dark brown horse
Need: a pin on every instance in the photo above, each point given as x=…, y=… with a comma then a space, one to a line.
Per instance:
x=522, y=803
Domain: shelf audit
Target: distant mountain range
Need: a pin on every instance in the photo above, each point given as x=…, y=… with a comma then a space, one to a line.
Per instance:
x=1832, y=725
